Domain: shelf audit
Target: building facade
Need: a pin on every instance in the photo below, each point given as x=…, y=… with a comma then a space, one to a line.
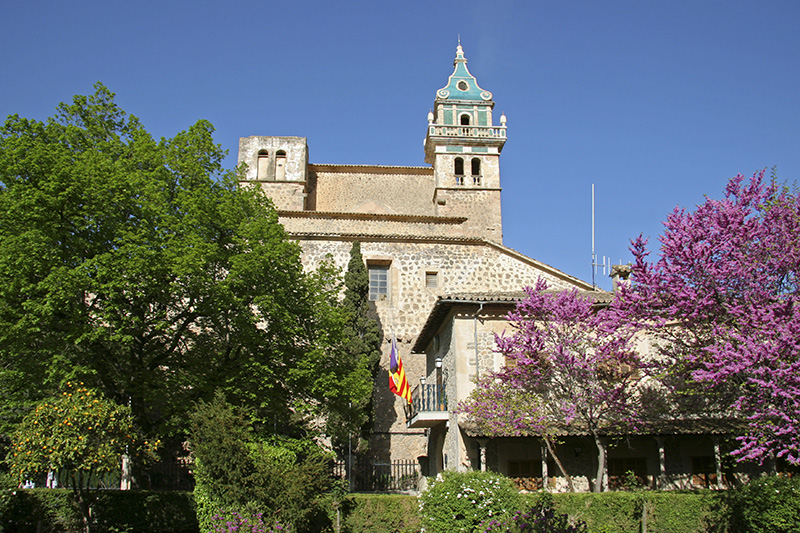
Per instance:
x=442, y=283
x=425, y=231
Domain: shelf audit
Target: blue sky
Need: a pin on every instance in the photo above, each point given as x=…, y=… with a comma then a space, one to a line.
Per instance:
x=656, y=103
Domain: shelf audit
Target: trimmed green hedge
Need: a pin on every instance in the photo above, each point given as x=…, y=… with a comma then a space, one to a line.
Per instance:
x=767, y=505
x=385, y=513
x=54, y=510
x=686, y=512
x=654, y=512
x=617, y=512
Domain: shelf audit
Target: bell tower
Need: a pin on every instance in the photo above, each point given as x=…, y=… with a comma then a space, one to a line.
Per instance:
x=464, y=146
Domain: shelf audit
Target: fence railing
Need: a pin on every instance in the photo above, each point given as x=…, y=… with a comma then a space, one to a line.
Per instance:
x=369, y=475
x=169, y=474
x=427, y=397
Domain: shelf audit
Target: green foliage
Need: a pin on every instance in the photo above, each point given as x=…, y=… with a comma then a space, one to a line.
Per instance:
x=234, y=521
x=768, y=504
x=283, y=480
x=53, y=510
x=618, y=512
x=366, y=513
x=684, y=512
x=541, y=518
x=462, y=501
x=79, y=434
x=140, y=268
x=361, y=351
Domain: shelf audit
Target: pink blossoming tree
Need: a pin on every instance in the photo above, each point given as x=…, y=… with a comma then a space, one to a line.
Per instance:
x=723, y=299
x=568, y=369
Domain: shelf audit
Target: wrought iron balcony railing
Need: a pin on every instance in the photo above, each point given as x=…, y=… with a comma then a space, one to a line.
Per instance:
x=428, y=406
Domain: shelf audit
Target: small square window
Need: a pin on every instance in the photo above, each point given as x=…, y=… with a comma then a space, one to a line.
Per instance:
x=431, y=280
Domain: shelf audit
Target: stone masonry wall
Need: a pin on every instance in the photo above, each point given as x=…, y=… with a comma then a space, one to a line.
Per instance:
x=481, y=207
x=460, y=268
x=380, y=190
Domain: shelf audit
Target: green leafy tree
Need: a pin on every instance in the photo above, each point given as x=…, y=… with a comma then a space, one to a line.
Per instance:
x=138, y=267
x=80, y=436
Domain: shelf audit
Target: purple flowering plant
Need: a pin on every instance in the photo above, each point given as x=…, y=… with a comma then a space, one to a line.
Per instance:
x=723, y=298
x=568, y=366
x=236, y=522
x=542, y=518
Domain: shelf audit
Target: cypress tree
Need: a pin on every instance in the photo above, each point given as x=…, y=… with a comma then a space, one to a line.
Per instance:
x=362, y=334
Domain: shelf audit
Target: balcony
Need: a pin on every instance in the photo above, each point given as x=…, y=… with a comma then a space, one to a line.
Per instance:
x=428, y=406
x=480, y=132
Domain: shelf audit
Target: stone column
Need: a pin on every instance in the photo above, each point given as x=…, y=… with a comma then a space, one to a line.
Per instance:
x=482, y=443
x=718, y=462
x=545, y=473
x=125, y=481
x=662, y=463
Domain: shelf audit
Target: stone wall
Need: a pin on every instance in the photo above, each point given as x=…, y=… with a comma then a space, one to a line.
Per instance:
x=284, y=195
x=294, y=148
x=460, y=268
x=387, y=190
x=481, y=208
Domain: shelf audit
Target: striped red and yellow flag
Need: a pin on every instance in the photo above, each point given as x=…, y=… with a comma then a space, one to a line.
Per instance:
x=398, y=383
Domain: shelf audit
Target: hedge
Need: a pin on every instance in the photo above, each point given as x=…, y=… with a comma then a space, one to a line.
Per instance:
x=617, y=512
x=54, y=510
x=385, y=513
x=646, y=511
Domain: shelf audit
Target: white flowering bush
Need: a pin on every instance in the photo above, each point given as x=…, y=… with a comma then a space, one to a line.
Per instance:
x=462, y=501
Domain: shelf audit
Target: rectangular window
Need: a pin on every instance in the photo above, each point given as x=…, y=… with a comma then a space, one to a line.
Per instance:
x=431, y=280
x=626, y=471
x=704, y=471
x=526, y=468
x=378, y=282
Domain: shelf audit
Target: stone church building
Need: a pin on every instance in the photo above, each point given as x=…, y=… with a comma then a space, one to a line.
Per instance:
x=440, y=277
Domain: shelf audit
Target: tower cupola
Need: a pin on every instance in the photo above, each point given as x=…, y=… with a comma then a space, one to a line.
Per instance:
x=463, y=145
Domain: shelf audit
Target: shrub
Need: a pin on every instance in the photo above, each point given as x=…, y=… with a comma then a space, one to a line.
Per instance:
x=685, y=512
x=235, y=522
x=54, y=510
x=541, y=518
x=457, y=501
x=603, y=512
x=284, y=480
x=767, y=505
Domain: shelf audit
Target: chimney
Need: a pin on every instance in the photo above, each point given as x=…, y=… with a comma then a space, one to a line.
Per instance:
x=619, y=275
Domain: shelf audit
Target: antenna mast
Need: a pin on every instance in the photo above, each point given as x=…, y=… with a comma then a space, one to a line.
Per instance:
x=595, y=264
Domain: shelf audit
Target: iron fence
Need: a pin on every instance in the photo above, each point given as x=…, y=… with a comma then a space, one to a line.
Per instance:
x=369, y=475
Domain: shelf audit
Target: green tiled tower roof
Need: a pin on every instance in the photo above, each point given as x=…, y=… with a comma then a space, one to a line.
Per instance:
x=462, y=85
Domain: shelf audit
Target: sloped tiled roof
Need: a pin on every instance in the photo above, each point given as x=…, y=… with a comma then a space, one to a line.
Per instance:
x=685, y=426
x=383, y=169
x=428, y=219
x=445, y=303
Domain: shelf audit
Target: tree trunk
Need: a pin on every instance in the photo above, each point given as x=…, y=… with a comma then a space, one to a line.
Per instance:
x=560, y=466
x=601, y=463
x=86, y=511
